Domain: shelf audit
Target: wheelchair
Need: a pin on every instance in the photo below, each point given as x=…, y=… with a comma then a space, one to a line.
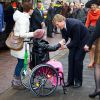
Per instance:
x=43, y=79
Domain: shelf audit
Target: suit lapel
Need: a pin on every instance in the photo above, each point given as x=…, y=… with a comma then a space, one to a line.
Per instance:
x=40, y=13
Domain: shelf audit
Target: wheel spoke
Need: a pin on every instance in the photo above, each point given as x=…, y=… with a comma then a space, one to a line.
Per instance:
x=40, y=83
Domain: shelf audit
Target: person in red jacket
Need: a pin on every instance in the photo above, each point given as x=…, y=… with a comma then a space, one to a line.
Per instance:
x=14, y=4
x=92, y=17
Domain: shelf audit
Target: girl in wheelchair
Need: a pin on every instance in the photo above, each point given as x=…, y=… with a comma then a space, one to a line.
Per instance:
x=46, y=74
x=41, y=49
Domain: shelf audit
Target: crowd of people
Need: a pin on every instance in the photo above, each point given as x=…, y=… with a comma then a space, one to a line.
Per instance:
x=78, y=21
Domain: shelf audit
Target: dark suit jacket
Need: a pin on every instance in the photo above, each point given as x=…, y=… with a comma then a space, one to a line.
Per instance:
x=36, y=20
x=76, y=31
x=50, y=13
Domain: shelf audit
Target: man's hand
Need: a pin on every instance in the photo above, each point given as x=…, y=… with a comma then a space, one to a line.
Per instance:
x=43, y=24
x=86, y=48
x=62, y=42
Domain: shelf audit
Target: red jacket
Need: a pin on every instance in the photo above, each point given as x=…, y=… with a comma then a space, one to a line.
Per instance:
x=92, y=18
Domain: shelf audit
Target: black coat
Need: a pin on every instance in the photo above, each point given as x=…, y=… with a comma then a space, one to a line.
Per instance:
x=50, y=13
x=8, y=18
x=77, y=32
x=40, y=51
x=95, y=35
x=49, y=23
x=36, y=20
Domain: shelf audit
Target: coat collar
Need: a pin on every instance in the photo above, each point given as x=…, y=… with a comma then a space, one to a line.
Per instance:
x=26, y=14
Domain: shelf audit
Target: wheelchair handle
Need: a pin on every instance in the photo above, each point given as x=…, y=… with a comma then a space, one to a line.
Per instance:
x=29, y=42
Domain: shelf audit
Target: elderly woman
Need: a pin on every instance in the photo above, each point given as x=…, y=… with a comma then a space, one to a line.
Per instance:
x=96, y=36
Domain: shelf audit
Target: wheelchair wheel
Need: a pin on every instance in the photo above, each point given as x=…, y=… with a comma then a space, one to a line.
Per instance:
x=43, y=80
x=25, y=77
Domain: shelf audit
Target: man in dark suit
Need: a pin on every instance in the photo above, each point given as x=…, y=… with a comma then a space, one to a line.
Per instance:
x=78, y=33
x=37, y=19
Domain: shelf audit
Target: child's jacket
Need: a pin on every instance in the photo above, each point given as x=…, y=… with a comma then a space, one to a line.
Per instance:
x=40, y=51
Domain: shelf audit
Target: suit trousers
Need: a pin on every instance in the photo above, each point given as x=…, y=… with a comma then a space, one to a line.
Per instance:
x=75, y=65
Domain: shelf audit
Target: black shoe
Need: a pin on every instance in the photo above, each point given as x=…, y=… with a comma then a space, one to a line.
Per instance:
x=67, y=84
x=77, y=85
x=93, y=95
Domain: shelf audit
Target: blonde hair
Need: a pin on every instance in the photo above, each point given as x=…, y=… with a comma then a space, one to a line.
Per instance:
x=58, y=18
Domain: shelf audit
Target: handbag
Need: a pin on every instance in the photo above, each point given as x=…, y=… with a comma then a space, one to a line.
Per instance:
x=14, y=42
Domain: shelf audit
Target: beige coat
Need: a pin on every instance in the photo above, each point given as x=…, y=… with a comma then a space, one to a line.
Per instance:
x=97, y=51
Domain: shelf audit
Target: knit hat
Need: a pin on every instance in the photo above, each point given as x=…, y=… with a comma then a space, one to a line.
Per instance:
x=39, y=33
x=90, y=2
